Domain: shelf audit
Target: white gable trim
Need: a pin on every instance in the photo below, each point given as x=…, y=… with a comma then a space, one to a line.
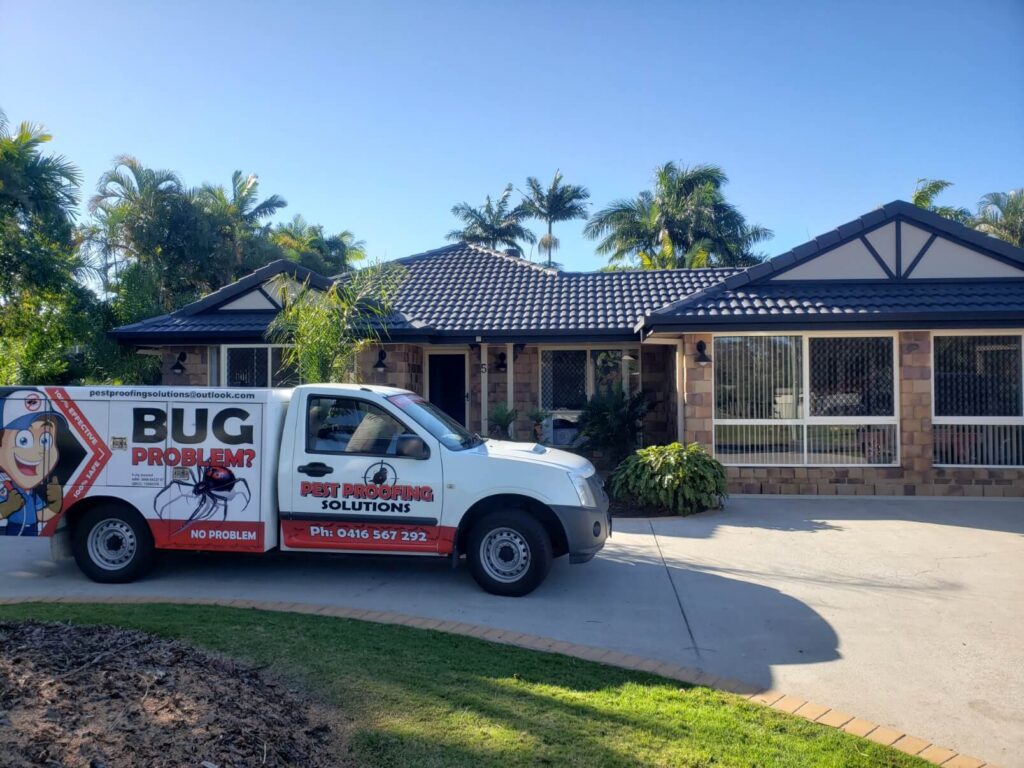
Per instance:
x=252, y=301
x=901, y=250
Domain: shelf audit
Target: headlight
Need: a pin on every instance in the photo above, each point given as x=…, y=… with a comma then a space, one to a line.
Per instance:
x=583, y=490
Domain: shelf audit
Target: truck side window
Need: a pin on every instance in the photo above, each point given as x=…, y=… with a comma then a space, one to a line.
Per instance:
x=345, y=425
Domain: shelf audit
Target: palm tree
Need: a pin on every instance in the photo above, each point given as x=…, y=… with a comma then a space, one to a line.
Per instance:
x=307, y=244
x=241, y=213
x=31, y=183
x=493, y=224
x=685, y=221
x=924, y=197
x=559, y=202
x=1001, y=214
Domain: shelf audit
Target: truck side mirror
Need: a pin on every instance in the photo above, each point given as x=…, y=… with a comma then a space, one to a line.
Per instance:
x=413, y=447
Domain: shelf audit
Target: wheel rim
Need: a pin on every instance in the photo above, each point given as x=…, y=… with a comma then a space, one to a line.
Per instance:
x=505, y=555
x=112, y=544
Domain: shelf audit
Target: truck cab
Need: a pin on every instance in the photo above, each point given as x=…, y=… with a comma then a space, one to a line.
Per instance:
x=378, y=469
x=124, y=471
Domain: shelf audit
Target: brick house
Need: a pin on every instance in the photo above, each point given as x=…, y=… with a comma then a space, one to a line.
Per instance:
x=884, y=357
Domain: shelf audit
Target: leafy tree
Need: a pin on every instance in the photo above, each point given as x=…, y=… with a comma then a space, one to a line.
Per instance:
x=685, y=221
x=1001, y=214
x=44, y=309
x=494, y=224
x=38, y=195
x=326, y=330
x=924, y=197
x=557, y=202
x=306, y=244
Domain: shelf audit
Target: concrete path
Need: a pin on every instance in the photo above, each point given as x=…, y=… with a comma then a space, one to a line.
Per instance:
x=907, y=612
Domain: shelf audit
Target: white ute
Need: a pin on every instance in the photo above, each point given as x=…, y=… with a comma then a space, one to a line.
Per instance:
x=114, y=473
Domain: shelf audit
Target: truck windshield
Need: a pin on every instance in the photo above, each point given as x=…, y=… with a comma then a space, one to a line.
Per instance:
x=438, y=423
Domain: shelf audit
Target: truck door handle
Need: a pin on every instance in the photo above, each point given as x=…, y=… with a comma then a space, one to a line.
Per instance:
x=316, y=469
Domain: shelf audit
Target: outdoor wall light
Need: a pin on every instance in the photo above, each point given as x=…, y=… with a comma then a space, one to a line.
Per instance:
x=502, y=365
x=179, y=368
x=379, y=366
x=628, y=358
x=701, y=357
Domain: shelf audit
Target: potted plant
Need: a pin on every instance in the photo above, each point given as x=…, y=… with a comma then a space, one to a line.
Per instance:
x=538, y=416
x=500, y=419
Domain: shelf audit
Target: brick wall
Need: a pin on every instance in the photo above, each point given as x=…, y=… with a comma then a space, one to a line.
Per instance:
x=914, y=476
x=196, y=364
x=404, y=366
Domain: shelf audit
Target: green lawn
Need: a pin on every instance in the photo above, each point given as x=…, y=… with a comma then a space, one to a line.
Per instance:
x=419, y=698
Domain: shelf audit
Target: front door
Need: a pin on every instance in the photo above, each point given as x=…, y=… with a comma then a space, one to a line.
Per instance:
x=447, y=384
x=357, y=484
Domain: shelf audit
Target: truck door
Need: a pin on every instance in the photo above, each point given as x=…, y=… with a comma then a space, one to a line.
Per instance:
x=362, y=480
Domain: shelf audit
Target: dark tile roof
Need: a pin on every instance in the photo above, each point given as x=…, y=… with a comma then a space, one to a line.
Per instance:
x=835, y=303
x=462, y=291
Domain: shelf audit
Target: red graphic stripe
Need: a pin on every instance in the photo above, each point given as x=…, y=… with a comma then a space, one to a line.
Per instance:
x=221, y=536
x=313, y=534
x=98, y=454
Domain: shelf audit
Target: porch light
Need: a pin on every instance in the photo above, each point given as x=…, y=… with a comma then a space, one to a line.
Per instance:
x=502, y=365
x=701, y=358
x=379, y=366
x=178, y=368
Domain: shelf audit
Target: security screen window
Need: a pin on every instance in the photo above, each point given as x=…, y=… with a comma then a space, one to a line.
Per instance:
x=615, y=370
x=852, y=378
x=761, y=416
x=563, y=379
x=247, y=367
x=758, y=399
x=979, y=400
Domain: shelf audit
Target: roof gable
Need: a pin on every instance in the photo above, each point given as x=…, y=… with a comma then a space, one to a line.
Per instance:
x=899, y=245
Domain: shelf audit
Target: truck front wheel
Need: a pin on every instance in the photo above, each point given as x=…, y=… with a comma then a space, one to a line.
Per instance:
x=509, y=552
x=112, y=544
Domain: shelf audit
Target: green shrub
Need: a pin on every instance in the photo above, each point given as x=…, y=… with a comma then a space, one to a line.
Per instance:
x=501, y=418
x=610, y=422
x=683, y=479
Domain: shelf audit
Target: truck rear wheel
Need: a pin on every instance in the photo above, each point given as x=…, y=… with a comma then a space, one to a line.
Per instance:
x=113, y=544
x=509, y=552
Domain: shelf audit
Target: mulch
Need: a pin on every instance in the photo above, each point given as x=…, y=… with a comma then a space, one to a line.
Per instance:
x=105, y=697
x=621, y=508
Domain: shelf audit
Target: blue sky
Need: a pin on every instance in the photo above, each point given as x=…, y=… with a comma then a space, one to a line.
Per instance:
x=378, y=117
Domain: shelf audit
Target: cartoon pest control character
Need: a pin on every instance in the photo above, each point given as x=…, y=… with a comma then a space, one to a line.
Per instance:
x=29, y=494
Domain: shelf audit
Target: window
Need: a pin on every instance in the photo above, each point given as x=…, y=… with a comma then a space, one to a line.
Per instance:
x=570, y=377
x=762, y=415
x=978, y=400
x=257, y=366
x=344, y=425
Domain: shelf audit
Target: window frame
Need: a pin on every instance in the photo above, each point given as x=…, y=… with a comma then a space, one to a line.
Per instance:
x=976, y=421
x=591, y=380
x=805, y=420
x=591, y=386
x=223, y=363
x=316, y=452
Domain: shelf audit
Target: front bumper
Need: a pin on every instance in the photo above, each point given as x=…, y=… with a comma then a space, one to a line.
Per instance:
x=586, y=528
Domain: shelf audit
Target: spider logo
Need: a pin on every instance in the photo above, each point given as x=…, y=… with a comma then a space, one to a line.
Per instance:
x=214, y=488
x=379, y=473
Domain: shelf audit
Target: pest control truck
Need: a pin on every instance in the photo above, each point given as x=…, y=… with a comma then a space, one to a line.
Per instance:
x=116, y=473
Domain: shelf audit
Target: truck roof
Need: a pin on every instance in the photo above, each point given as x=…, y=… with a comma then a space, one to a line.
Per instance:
x=375, y=388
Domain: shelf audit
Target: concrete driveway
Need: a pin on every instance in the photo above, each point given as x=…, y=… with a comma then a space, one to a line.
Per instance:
x=906, y=612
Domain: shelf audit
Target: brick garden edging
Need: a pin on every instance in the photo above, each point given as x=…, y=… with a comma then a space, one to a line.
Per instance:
x=795, y=705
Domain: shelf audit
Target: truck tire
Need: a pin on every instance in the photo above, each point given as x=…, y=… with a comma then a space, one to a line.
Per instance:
x=509, y=552
x=113, y=544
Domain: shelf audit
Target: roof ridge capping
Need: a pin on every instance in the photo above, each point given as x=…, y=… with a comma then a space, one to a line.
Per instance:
x=874, y=219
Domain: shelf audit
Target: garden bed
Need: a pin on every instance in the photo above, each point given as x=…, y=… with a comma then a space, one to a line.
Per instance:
x=106, y=697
